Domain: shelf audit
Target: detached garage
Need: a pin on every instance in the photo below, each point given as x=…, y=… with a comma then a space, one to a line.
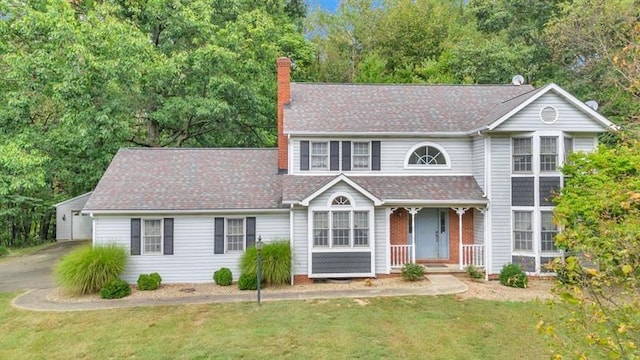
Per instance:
x=71, y=223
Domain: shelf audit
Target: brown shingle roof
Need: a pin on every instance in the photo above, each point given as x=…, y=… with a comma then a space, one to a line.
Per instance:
x=189, y=179
x=362, y=108
x=456, y=189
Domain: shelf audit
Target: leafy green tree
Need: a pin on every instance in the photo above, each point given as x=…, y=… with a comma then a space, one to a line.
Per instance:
x=599, y=212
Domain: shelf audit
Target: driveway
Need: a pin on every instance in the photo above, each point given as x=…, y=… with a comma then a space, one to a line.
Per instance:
x=33, y=271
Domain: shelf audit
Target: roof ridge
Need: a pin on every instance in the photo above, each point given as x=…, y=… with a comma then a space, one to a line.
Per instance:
x=195, y=148
x=409, y=84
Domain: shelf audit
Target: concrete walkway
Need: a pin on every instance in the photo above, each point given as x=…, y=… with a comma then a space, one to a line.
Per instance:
x=37, y=300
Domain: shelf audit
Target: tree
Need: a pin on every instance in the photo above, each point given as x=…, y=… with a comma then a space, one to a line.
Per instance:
x=599, y=212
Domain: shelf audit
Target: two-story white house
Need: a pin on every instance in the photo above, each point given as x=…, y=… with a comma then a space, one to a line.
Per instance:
x=365, y=179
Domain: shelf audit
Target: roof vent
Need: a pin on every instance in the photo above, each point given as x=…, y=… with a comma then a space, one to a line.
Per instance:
x=592, y=104
x=517, y=80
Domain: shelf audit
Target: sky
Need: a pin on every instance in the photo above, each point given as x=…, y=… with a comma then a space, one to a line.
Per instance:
x=330, y=5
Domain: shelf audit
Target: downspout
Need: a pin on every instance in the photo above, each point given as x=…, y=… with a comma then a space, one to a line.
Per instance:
x=291, y=242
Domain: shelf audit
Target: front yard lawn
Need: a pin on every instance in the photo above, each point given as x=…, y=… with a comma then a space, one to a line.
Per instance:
x=376, y=328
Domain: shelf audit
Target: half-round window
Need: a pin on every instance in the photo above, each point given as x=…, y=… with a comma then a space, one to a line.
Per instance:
x=427, y=155
x=341, y=201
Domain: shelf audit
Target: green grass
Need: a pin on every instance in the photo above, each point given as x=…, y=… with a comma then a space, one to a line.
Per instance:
x=381, y=328
x=21, y=251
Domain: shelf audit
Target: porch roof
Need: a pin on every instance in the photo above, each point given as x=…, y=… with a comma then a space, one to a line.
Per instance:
x=399, y=190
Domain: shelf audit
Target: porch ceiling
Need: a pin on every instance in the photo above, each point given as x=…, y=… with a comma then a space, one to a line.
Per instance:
x=443, y=190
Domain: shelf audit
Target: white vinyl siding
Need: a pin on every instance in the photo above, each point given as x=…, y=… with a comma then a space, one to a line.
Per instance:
x=500, y=202
x=301, y=247
x=65, y=220
x=193, y=240
x=380, y=240
x=584, y=143
x=478, y=157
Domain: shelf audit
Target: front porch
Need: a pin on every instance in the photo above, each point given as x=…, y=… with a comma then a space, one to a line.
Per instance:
x=442, y=239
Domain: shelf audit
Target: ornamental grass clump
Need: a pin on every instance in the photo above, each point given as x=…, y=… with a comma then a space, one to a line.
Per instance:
x=276, y=262
x=88, y=269
x=511, y=275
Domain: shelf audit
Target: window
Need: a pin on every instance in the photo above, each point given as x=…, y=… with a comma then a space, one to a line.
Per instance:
x=319, y=156
x=321, y=228
x=522, y=155
x=427, y=155
x=152, y=236
x=360, y=228
x=341, y=228
x=361, y=156
x=235, y=234
x=568, y=148
x=548, y=231
x=549, y=114
x=522, y=230
x=341, y=201
x=548, y=153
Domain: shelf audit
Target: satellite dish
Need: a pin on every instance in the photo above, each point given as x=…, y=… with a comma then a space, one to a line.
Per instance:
x=517, y=80
x=592, y=104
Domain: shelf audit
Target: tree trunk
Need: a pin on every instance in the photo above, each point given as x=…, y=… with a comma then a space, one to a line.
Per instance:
x=153, y=132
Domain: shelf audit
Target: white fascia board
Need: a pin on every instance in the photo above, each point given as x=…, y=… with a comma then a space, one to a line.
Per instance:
x=570, y=98
x=453, y=202
x=334, y=134
x=183, y=212
x=72, y=199
x=342, y=177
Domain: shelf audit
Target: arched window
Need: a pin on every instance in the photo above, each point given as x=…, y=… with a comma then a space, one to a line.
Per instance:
x=426, y=156
x=341, y=200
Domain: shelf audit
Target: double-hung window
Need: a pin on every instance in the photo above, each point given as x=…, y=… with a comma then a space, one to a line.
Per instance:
x=235, y=234
x=522, y=230
x=152, y=236
x=321, y=228
x=360, y=228
x=548, y=153
x=319, y=156
x=361, y=156
x=548, y=230
x=568, y=148
x=341, y=225
x=522, y=155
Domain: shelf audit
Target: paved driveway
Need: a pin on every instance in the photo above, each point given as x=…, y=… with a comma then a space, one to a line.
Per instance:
x=33, y=271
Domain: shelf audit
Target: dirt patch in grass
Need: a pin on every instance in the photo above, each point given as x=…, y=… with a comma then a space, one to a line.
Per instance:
x=538, y=289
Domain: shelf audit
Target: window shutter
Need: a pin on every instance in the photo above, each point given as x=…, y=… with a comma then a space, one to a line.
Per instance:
x=346, y=155
x=334, y=155
x=168, y=236
x=251, y=231
x=375, y=155
x=304, y=155
x=135, y=236
x=218, y=245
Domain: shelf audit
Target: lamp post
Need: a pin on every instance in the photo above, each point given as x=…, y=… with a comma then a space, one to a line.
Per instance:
x=259, y=245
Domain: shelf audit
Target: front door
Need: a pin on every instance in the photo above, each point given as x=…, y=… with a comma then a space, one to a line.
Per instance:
x=432, y=238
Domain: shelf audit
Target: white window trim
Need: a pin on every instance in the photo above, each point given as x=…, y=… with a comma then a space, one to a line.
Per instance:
x=368, y=168
x=444, y=153
x=549, y=122
x=142, y=237
x=244, y=235
x=523, y=252
x=533, y=152
x=557, y=154
x=335, y=195
x=328, y=156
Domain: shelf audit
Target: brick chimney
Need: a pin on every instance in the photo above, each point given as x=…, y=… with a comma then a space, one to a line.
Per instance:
x=284, y=96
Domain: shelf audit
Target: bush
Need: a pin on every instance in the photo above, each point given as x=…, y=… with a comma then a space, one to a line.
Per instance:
x=4, y=251
x=276, y=262
x=412, y=272
x=511, y=275
x=248, y=281
x=149, y=281
x=88, y=269
x=116, y=289
x=474, y=272
x=223, y=277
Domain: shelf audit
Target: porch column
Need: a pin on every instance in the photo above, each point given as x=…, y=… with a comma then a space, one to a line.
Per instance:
x=485, y=252
x=413, y=212
x=460, y=211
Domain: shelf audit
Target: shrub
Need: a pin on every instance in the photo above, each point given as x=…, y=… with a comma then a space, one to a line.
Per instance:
x=88, y=269
x=474, y=272
x=223, y=277
x=276, y=262
x=4, y=251
x=248, y=281
x=511, y=275
x=412, y=272
x=116, y=289
x=149, y=281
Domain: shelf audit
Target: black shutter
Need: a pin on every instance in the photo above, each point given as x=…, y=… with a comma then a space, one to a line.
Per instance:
x=168, y=236
x=334, y=155
x=346, y=155
x=304, y=155
x=375, y=155
x=135, y=236
x=218, y=245
x=251, y=231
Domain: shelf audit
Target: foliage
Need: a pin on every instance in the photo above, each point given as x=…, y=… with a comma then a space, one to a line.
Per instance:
x=599, y=212
x=511, y=275
x=412, y=272
x=276, y=262
x=115, y=289
x=149, y=281
x=248, y=281
x=4, y=251
x=88, y=269
x=223, y=277
x=474, y=272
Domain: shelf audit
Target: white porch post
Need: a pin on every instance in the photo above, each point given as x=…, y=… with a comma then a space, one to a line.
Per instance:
x=413, y=212
x=460, y=211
